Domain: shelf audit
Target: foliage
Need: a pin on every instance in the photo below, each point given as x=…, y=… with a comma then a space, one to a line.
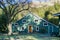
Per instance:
x=54, y=21
x=10, y=9
x=3, y=27
x=46, y=12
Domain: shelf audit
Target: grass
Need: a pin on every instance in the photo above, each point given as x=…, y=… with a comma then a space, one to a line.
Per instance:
x=30, y=37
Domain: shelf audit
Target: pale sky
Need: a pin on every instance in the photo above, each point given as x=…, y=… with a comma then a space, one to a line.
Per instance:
x=40, y=0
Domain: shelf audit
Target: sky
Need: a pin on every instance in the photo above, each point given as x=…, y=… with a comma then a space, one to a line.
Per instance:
x=39, y=0
x=34, y=1
x=30, y=0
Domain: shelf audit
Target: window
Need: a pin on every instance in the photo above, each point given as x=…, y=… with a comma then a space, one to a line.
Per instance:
x=16, y=24
x=36, y=20
x=45, y=23
x=22, y=28
x=37, y=28
x=24, y=21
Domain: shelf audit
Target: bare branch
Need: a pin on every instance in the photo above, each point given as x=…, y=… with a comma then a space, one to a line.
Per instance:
x=13, y=9
x=3, y=6
x=20, y=11
x=16, y=6
x=17, y=13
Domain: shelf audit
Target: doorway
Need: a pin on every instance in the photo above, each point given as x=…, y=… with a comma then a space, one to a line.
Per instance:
x=29, y=29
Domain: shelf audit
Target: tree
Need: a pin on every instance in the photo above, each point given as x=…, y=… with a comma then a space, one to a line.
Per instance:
x=3, y=28
x=11, y=8
x=57, y=7
x=46, y=14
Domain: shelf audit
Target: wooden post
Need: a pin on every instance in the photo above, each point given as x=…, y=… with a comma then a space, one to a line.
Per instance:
x=59, y=25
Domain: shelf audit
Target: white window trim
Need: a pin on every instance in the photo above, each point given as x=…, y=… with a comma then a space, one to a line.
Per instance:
x=23, y=20
x=45, y=25
x=18, y=28
x=36, y=28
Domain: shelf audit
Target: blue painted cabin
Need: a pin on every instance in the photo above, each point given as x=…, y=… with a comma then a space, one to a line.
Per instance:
x=32, y=23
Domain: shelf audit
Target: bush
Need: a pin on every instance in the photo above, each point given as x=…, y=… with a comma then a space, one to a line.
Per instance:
x=3, y=26
x=54, y=34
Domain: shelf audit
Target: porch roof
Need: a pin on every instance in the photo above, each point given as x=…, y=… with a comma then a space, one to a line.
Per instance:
x=57, y=14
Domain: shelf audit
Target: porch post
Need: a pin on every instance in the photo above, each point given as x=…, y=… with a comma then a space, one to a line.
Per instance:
x=58, y=15
x=59, y=25
x=48, y=30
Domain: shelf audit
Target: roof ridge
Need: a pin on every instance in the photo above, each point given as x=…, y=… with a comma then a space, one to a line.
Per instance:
x=45, y=20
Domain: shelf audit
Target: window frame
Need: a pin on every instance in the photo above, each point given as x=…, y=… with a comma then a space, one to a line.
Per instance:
x=36, y=20
x=44, y=23
x=22, y=29
x=23, y=21
x=37, y=27
x=15, y=24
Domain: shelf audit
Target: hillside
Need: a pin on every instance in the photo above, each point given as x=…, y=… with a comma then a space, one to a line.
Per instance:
x=42, y=12
x=41, y=3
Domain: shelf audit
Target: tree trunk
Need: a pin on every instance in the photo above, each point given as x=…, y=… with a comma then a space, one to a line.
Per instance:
x=9, y=28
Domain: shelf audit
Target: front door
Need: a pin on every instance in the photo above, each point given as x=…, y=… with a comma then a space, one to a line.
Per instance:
x=30, y=29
